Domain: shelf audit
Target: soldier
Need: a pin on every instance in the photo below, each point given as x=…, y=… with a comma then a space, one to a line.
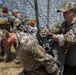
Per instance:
x=4, y=24
x=64, y=34
x=15, y=20
x=32, y=56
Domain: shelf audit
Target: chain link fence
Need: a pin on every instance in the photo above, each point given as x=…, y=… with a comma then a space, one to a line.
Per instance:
x=26, y=7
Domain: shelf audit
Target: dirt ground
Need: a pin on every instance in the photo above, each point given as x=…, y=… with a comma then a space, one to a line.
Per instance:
x=10, y=68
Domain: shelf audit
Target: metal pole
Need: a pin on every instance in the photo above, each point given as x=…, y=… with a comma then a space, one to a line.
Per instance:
x=48, y=5
x=36, y=13
x=37, y=18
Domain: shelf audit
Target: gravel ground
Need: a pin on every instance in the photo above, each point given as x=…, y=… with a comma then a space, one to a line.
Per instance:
x=10, y=68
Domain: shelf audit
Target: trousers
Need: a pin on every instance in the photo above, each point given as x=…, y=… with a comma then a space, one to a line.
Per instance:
x=69, y=70
x=59, y=55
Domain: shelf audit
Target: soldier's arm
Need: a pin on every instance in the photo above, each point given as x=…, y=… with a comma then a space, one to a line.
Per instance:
x=45, y=59
x=69, y=37
x=17, y=22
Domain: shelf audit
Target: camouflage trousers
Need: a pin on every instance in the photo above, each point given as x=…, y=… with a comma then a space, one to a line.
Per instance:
x=39, y=71
x=59, y=56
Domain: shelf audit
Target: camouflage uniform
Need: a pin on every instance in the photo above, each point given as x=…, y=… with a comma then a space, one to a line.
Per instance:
x=32, y=56
x=15, y=23
x=16, y=20
x=66, y=35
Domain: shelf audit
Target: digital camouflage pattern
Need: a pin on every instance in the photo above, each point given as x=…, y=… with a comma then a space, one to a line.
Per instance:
x=32, y=56
x=15, y=23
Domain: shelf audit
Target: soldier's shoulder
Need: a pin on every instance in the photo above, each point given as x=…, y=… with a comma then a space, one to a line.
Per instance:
x=59, y=23
x=12, y=17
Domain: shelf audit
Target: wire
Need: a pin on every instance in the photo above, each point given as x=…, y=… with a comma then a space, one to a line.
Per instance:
x=38, y=14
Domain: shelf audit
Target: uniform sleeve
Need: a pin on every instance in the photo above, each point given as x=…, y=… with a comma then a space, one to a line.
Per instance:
x=17, y=23
x=56, y=28
x=70, y=36
x=45, y=59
